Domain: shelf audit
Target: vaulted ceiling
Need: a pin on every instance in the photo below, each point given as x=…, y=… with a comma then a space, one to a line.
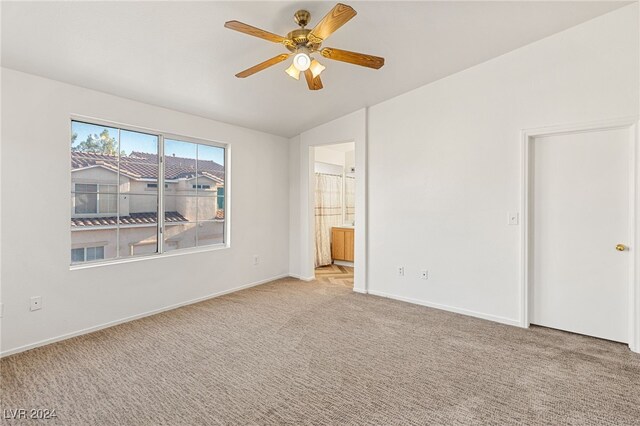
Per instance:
x=178, y=54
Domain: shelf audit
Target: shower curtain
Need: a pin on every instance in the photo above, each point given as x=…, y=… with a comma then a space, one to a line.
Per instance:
x=328, y=214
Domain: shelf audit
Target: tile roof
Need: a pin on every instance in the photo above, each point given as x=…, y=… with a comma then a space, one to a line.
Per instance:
x=132, y=219
x=142, y=165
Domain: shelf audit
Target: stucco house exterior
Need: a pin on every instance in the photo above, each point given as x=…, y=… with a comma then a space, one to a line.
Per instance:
x=115, y=203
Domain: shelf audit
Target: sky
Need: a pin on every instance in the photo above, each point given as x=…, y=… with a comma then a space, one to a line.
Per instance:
x=142, y=142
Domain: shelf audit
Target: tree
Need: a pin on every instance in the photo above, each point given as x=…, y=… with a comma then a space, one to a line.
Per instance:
x=98, y=144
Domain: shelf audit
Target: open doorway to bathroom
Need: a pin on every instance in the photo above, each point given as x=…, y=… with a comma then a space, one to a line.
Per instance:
x=334, y=212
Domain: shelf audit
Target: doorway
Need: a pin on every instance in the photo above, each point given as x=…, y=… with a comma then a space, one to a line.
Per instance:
x=334, y=212
x=579, y=230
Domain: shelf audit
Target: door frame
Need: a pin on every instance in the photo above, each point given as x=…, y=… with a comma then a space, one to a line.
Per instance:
x=358, y=228
x=527, y=137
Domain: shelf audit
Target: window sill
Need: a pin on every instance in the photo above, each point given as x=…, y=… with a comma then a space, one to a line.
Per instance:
x=173, y=253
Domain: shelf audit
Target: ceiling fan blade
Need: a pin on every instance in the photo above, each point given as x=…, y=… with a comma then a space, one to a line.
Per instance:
x=313, y=83
x=355, y=58
x=263, y=65
x=256, y=32
x=337, y=17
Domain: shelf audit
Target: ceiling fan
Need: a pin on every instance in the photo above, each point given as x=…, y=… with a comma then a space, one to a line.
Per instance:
x=302, y=43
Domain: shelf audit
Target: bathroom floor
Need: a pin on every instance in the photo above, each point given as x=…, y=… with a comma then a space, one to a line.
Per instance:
x=335, y=274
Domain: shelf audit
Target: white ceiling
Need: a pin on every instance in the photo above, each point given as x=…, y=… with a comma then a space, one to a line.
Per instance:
x=178, y=55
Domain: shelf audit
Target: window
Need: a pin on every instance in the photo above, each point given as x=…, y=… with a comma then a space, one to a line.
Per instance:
x=201, y=167
x=87, y=254
x=118, y=192
x=95, y=198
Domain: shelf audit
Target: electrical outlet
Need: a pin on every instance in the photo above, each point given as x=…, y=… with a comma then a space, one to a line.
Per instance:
x=36, y=303
x=424, y=274
x=256, y=260
x=401, y=271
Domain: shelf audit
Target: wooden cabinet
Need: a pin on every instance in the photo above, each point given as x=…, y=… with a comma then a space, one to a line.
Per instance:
x=342, y=244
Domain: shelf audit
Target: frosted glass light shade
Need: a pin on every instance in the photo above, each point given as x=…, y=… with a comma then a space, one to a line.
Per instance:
x=293, y=72
x=316, y=68
x=301, y=61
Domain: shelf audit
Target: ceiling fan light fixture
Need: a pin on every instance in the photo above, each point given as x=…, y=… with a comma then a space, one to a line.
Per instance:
x=293, y=72
x=302, y=61
x=316, y=68
x=301, y=43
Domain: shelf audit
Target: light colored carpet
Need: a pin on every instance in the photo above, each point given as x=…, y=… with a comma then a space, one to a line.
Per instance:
x=290, y=352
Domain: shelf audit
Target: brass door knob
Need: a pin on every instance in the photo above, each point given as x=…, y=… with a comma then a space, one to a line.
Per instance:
x=621, y=247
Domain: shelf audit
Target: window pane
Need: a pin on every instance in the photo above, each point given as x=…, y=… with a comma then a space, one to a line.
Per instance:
x=85, y=198
x=83, y=187
x=210, y=169
x=139, y=146
x=210, y=232
x=220, y=196
x=95, y=253
x=138, y=240
x=93, y=139
x=143, y=207
x=99, y=252
x=180, y=208
x=96, y=236
x=77, y=255
x=180, y=165
x=138, y=162
x=207, y=208
x=107, y=203
x=86, y=203
x=138, y=224
x=179, y=235
x=94, y=178
x=107, y=188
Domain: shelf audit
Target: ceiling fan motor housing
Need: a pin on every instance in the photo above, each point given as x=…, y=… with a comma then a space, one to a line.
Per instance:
x=299, y=38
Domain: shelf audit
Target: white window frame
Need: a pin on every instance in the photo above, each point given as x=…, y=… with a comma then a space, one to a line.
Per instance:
x=161, y=135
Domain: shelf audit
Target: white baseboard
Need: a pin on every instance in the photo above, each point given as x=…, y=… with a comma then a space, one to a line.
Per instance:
x=343, y=263
x=360, y=290
x=134, y=317
x=495, y=318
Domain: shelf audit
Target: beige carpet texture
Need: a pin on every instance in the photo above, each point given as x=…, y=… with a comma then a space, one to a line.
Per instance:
x=295, y=353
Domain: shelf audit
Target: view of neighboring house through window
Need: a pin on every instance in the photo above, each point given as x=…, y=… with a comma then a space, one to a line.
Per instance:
x=116, y=195
x=87, y=254
x=197, y=174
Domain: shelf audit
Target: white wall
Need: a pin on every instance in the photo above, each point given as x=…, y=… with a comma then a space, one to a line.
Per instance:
x=444, y=162
x=35, y=221
x=330, y=156
x=350, y=128
x=295, y=229
x=349, y=159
